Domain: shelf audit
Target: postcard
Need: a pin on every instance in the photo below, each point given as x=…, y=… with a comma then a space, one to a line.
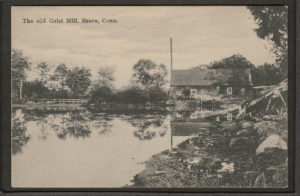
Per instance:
x=149, y=97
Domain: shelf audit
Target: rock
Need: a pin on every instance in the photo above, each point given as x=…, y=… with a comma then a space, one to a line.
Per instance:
x=226, y=167
x=215, y=162
x=228, y=124
x=273, y=141
x=272, y=177
x=246, y=125
x=159, y=172
x=260, y=181
x=241, y=143
x=246, y=132
x=274, y=117
x=270, y=157
x=267, y=128
x=193, y=161
x=210, y=162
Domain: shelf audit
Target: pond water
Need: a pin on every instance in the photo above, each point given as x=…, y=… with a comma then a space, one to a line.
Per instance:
x=86, y=149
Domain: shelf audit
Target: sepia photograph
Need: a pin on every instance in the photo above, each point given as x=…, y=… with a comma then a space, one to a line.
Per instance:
x=149, y=97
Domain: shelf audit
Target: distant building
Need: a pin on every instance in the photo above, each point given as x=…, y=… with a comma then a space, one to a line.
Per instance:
x=210, y=83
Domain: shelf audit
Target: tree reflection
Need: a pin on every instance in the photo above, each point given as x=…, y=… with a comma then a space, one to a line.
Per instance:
x=19, y=133
x=70, y=124
x=150, y=128
x=74, y=124
x=105, y=128
x=102, y=122
x=76, y=131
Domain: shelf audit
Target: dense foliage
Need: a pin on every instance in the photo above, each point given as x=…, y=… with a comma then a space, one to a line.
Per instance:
x=266, y=74
x=19, y=65
x=78, y=80
x=130, y=95
x=262, y=75
x=273, y=26
x=100, y=95
x=146, y=85
x=60, y=74
x=235, y=61
x=34, y=90
x=44, y=69
x=148, y=74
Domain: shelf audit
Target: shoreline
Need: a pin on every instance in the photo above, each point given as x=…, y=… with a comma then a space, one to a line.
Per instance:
x=245, y=153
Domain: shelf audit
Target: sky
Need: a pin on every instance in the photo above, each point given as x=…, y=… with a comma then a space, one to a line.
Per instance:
x=201, y=34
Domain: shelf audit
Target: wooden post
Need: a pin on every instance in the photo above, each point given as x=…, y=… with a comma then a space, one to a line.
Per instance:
x=201, y=104
x=171, y=137
x=21, y=88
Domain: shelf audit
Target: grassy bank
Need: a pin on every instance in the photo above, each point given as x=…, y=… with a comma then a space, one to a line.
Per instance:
x=242, y=153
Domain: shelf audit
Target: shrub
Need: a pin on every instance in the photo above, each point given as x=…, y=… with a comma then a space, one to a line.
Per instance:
x=35, y=89
x=100, y=94
x=133, y=95
x=156, y=95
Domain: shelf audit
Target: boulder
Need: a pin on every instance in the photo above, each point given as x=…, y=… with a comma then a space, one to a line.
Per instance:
x=228, y=124
x=246, y=125
x=273, y=141
x=246, y=132
x=270, y=157
x=274, y=117
x=272, y=177
x=241, y=143
x=265, y=129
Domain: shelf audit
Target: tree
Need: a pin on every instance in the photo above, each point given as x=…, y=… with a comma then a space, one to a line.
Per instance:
x=106, y=77
x=60, y=73
x=78, y=80
x=148, y=74
x=273, y=26
x=266, y=74
x=19, y=65
x=235, y=61
x=44, y=69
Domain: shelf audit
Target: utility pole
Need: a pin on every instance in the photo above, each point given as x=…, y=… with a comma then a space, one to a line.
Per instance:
x=171, y=54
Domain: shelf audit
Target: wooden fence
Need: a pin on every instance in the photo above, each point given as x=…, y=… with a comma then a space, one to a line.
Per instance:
x=66, y=101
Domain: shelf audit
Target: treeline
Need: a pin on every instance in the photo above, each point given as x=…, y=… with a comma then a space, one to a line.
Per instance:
x=63, y=82
x=262, y=75
x=146, y=85
x=130, y=95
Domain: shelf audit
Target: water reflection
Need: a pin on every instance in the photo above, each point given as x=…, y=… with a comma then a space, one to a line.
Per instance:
x=77, y=131
x=149, y=128
x=92, y=149
x=19, y=132
x=81, y=148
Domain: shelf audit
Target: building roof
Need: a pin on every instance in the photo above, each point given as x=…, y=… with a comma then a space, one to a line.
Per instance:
x=208, y=77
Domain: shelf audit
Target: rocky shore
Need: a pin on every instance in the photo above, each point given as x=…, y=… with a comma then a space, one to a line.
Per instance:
x=244, y=153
